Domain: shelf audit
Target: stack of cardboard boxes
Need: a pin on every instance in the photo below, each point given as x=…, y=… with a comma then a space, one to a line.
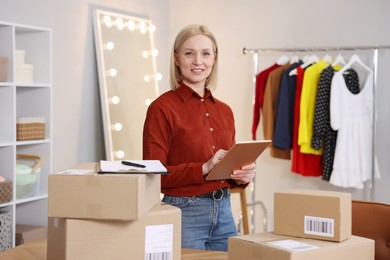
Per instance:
x=308, y=225
x=110, y=216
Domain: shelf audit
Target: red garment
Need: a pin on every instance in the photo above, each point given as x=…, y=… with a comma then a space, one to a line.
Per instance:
x=183, y=131
x=261, y=80
x=304, y=164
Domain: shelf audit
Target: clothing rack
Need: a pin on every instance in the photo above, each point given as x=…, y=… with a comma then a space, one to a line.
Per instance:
x=316, y=49
x=374, y=48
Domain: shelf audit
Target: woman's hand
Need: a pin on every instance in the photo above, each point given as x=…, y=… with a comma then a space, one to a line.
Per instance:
x=245, y=174
x=207, y=166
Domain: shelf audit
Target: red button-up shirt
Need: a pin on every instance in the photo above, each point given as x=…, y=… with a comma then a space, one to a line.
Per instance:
x=183, y=130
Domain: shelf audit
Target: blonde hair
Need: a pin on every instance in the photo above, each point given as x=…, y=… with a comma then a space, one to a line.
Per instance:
x=186, y=33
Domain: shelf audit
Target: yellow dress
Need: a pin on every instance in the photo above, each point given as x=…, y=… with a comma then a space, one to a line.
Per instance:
x=307, y=106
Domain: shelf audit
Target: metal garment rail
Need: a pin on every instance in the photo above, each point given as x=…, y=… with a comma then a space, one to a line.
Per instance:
x=316, y=49
x=374, y=48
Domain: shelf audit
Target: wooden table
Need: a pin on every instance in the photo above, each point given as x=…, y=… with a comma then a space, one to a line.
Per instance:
x=36, y=250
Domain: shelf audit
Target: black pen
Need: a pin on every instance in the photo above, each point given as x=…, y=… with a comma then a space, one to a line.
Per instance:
x=133, y=164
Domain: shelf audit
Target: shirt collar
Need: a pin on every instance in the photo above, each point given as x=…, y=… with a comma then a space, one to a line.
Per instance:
x=185, y=93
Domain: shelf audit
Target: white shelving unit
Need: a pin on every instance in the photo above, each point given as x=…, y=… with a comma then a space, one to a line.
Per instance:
x=26, y=100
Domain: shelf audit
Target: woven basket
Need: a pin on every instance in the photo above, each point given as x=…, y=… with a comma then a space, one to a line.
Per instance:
x=5, y=191
x=30, y=128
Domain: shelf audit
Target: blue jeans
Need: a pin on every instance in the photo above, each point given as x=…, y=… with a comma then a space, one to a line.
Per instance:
x=206, y=223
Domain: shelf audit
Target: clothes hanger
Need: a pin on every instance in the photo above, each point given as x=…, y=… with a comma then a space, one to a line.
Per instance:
x=356, y=59
x=306, y=58
x=328, y=59
x=339, y=61
x=294, y=59
x=312, y=59
x=283, y=60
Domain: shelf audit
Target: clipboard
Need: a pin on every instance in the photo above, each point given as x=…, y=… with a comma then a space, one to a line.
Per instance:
x=241, y=154
x=133, y=167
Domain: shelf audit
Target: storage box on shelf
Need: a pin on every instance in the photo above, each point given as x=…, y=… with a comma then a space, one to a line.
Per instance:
x=20, y=57
x=30, y=128
x=24, y=72
x=5, y=191
x=3, y=69
x=5, y=230
x=28, y=174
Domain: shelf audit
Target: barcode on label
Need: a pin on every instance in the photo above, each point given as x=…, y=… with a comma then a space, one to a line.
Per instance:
x=159, y=256
x=159, y=242
x=319, y=226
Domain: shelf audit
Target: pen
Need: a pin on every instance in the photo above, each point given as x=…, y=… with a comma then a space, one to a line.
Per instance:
x=133, y=164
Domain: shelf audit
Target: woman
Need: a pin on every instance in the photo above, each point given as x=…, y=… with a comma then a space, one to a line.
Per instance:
x=189, y=131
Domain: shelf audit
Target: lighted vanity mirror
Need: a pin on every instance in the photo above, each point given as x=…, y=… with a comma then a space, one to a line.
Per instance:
x=128, y=80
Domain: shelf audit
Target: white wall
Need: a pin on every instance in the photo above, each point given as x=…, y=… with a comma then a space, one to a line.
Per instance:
x=78, y=136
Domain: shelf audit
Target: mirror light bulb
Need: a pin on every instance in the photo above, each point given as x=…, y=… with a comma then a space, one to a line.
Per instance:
x=158, y=76
x=120, y=154
x=147, y=78
x=115, y=100
x=107, y=21
x=117, y=127
x=119, y=23
x=154, y=52
x=110, y=46
x=131, y=25
x=112, y=72
x=142, y=27
x=145, y=54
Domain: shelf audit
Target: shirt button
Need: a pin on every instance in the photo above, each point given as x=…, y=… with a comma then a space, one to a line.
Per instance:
x=211, y=129
x=222, y=181
x=202, y=99
x=207, y=114
x=213, y=147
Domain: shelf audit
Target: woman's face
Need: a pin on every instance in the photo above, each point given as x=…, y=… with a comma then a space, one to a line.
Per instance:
x=195, y=59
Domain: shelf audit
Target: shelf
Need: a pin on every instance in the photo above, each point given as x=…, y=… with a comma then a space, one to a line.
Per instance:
x=25, y=94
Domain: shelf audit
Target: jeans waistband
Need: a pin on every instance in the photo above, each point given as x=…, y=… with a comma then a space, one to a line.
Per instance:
x=216, y=195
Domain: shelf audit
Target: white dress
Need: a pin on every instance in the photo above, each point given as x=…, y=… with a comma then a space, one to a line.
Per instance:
x=352, y=116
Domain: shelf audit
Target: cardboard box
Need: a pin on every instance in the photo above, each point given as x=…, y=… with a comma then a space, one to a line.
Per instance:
x=267, y=246
x=314, y=214
x=157, y=235
x=82, y=193
x=28, y=233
